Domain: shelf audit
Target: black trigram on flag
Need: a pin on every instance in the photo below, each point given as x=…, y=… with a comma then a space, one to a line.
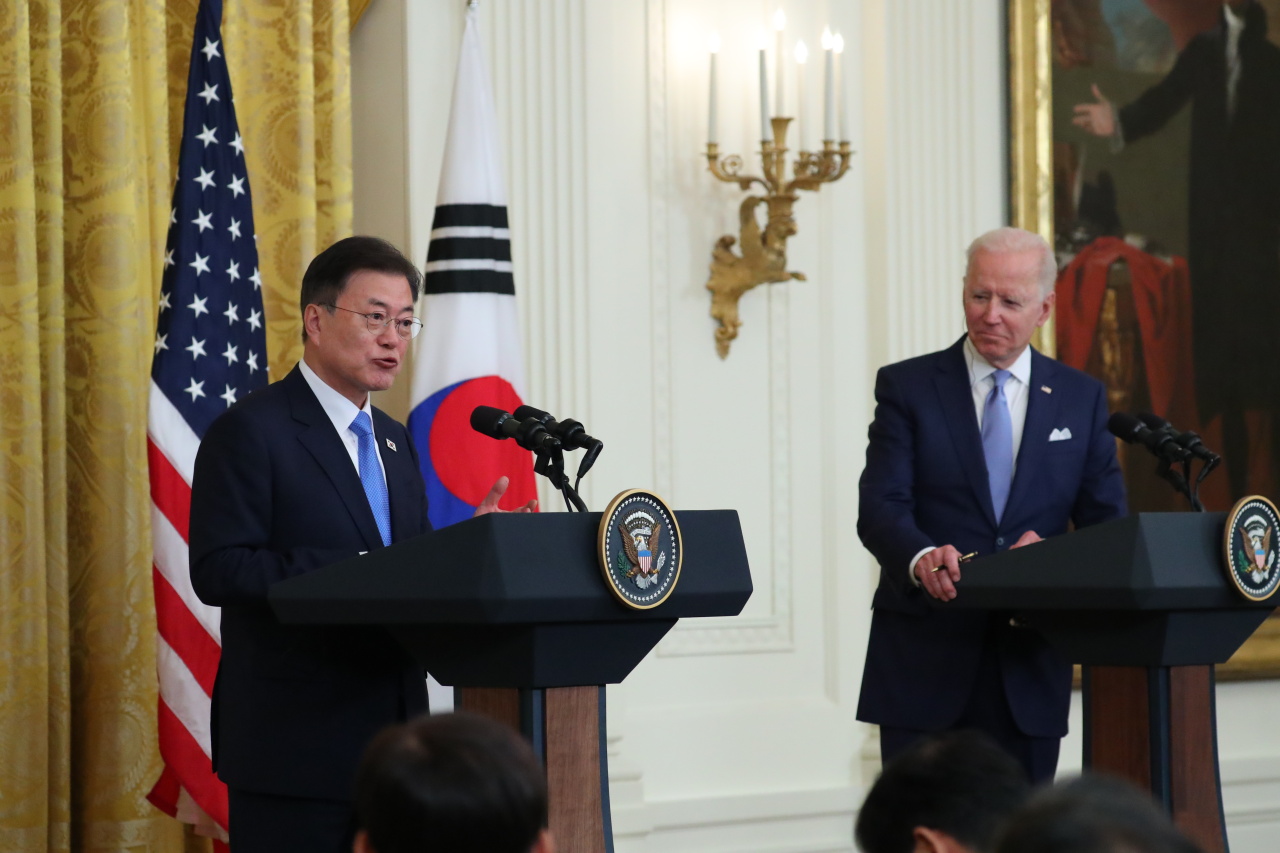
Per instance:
x=470, y=250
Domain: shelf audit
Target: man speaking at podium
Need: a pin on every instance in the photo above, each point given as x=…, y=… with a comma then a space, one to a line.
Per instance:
x=983, y=446
x=294, y=477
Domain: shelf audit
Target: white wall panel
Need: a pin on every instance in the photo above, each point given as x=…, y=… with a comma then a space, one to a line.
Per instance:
x=736, y=734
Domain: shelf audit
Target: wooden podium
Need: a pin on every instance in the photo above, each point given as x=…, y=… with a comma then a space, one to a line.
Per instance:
x=513, y=611
x=1143, y=603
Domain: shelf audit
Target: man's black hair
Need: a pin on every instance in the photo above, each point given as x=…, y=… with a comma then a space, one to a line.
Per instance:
x=1093, y=814
x=457, y=782
x=328, y=272
x=959, y=783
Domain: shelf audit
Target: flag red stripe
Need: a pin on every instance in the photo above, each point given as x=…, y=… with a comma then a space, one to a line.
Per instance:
x=170, y=493
x=185, y=757
x=164, y=794
x=184, y=633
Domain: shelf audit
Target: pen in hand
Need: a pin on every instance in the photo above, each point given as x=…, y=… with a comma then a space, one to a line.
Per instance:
x=964, y=558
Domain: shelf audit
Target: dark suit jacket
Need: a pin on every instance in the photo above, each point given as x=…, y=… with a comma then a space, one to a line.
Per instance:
x=925, y=484
x=274, y=495
x=1233, y=206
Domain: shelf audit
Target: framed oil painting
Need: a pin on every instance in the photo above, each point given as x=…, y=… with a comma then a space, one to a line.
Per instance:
x=1145, y=146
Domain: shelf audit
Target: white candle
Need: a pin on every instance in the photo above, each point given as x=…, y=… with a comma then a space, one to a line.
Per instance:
x=829, y=94
x=779, y=62
x=844, y=114
x=802, y=56
x=764, y=90
x=713, y=44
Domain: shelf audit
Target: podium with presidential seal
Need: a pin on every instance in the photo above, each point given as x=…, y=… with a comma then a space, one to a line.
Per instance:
x=529, y=616
x=1148, y=604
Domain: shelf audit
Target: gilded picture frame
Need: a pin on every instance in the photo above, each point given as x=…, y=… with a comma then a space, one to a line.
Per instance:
x=1031, y=206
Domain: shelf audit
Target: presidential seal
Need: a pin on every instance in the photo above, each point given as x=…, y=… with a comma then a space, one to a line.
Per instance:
x=1251, y=546
x=640, y=549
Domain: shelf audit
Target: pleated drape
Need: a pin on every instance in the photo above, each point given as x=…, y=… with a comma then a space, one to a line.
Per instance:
x=91, y=99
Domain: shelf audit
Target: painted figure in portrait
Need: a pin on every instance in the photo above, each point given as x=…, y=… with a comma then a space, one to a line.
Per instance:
x=1167, y=221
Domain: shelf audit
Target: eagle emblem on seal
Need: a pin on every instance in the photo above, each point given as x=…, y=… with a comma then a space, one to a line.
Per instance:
x=641, y=539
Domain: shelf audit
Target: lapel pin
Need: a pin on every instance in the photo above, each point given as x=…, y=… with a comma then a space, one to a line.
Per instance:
x=391, y=444
x=1045, y=388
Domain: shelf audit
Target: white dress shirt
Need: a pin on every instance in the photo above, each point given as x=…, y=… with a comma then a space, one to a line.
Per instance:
x=1235, y=26
x=342, y=412
x=1016, y=389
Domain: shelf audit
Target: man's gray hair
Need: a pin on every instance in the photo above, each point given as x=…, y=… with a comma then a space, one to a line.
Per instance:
x=1012, y=240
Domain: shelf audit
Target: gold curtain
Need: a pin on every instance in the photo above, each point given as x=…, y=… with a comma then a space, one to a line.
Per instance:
x=91, y=95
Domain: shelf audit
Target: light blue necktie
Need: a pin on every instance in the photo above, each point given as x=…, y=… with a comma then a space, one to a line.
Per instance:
x=375, y=487
x=997, y=442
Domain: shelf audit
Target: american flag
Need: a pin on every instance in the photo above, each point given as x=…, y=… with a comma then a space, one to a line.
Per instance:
x=210, y=350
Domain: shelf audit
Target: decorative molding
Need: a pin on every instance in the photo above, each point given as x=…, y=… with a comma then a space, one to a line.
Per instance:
x=944, y=162
x=661, y=274
x=537, y=50
x=811, y=821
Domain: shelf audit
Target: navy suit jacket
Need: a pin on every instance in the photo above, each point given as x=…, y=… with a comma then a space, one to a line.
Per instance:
x=925, y=484
x=275, y=495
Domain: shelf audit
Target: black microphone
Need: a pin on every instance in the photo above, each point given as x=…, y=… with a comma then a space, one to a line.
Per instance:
x=498, y=424
x=569, y=431
x=1188, y=440
x=1126, y=427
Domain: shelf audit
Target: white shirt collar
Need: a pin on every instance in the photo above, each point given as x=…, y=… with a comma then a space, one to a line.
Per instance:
x=339, y=409
x=980, y=368
x=1235, y=23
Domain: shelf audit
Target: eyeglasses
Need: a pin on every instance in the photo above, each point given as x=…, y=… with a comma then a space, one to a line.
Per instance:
x=406, y=327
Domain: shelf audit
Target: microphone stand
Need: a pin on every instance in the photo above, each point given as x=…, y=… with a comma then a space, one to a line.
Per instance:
x=1179, y=481
x=550, y=464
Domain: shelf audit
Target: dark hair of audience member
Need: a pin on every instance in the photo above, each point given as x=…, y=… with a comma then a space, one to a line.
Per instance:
x=960, y=783
x=1093, y=814
x=455, y=782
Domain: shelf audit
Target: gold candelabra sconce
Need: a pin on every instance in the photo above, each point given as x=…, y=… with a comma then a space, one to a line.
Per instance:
x=763, y=258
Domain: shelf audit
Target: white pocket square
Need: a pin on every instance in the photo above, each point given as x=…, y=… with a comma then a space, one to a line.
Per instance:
x=1060, y=434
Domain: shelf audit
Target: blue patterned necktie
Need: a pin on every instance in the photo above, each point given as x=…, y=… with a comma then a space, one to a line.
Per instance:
x=375, y=487
x=997, y=442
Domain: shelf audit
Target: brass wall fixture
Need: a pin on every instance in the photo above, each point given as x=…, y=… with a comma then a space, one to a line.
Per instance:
x=764, y=252
x=763, y=257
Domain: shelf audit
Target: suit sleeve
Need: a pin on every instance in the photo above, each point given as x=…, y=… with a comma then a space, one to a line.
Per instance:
x=232, y=507
x=1101, y=496
x=886, y=490
x=1154, y=107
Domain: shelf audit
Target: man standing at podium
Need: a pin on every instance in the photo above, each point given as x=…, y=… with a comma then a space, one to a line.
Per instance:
x=291, y=478
x=983, y=446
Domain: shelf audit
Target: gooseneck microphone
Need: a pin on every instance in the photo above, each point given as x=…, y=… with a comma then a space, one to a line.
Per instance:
x=1128, y=428
x=1188, y=440
x=528, y=433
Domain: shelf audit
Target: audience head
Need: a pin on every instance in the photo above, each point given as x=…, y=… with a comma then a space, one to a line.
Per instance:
x=457, y=783
x=946, y=794
x=1092, y=814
